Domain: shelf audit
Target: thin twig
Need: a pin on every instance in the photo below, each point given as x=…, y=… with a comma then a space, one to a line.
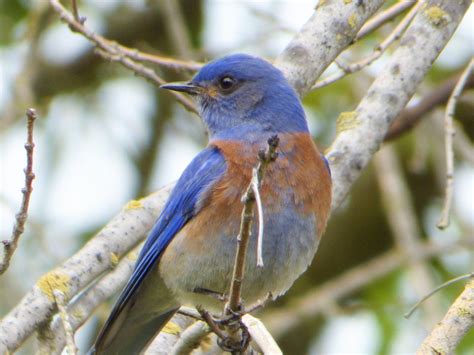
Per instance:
x=449, y=133
x=9, y=246
x=206, y=316
x=166, y=62
x=382, y=18
x=378, y=51
x=117, y=53
x=75, y=12
x=245, y=225
x=190, y=312
x=234, y=307
x=70, y=344
x=431, y=293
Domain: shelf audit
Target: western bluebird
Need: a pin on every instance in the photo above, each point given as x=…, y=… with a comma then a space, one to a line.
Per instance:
x=243, y=100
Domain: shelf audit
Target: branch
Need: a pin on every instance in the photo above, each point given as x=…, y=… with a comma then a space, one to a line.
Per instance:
x=75, y=12
x=361, y=132
x=87, y=302
x=249, y=198
x=125, y=56
x=382, y=18
x=447, y=334
x=79, y=271
x=440, y=287
x=9, y=246
x=378, y=51
x=71, y=346
x=449, y=133
x=171, y=334
x=246, y=223
x=333, y=26
x=261, y=336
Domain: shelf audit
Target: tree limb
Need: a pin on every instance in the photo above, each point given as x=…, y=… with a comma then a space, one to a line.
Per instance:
x=361, y=132
x=457, y=322
x=9, y=246
x=448, y=138
x=327, y=33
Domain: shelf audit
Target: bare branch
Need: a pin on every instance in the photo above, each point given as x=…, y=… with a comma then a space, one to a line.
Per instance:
x=71, y=346
x=9, y=246
x=448, y=141
x=171, y=334
x=440, y=287
x=84, y=305
x=261, y=336
x=378, y=51
x=382, y=18
x=327, y=33
x=363, y=130
x=114, y=52
x=79, y=271
x=75, y=12
x=447, y=334
x=246, y=224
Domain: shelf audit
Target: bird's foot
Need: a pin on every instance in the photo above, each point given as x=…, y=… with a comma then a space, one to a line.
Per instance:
x=224, y=327
x=233, y=316
x=234, y=346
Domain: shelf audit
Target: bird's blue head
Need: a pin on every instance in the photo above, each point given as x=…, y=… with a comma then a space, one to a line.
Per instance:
x=244, y=97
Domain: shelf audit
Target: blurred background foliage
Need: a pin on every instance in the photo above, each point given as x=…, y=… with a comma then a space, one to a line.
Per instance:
x=105, y=136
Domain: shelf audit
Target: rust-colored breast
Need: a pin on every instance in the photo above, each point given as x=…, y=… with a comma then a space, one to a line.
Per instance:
x=298, y=177
x=299, y=173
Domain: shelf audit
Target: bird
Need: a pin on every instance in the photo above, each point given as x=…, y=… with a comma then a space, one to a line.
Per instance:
x=188, y=256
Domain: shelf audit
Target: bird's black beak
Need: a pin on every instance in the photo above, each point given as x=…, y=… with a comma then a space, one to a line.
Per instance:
x=188, y=88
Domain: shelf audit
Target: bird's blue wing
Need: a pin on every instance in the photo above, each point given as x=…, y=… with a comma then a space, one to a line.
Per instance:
x=183, y=203
x=203, y=171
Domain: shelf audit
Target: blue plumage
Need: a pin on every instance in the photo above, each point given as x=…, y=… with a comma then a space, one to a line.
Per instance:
x=261, y=102
x=243, y=101
x=182, y=205
x=206, y=168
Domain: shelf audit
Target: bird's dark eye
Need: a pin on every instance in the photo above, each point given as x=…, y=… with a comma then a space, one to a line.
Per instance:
x=226, y=83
